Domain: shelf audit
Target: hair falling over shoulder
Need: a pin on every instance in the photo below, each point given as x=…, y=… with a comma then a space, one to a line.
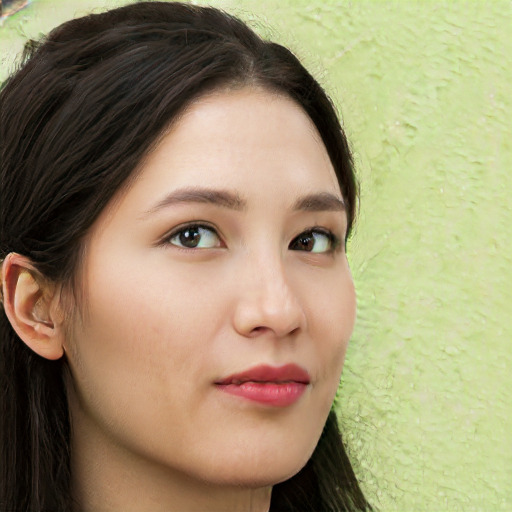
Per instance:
x=85, y=106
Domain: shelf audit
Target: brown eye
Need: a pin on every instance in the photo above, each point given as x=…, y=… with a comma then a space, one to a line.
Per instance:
x=195, y=237
x=315, y=241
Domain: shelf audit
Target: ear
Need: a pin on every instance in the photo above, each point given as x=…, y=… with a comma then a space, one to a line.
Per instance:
x=33, y=307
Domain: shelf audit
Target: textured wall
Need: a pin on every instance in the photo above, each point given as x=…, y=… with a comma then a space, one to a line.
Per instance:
x=426, y=96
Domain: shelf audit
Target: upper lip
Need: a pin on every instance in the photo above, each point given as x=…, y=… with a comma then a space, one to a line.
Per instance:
x=267, y=373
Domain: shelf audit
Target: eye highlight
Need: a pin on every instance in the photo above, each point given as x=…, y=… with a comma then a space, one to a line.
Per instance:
x=316, y=241
x=195, y=236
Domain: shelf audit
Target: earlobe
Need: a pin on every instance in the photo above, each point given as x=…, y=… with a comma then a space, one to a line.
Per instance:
x=29, y=303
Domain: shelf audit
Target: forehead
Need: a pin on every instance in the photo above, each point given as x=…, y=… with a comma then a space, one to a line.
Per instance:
x=255, y=142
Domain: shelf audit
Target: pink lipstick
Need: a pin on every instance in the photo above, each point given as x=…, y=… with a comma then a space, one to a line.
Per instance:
x=269, y=385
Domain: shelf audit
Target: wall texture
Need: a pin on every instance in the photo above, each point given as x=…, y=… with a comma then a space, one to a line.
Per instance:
x=425, y=92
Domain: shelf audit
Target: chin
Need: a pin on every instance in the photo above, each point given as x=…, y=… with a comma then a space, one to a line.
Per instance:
x=267, y=477
x=259, y=471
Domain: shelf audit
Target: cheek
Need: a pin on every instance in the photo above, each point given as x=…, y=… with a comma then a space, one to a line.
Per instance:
x=332, y=318
x=142, y=340
x=114, y=348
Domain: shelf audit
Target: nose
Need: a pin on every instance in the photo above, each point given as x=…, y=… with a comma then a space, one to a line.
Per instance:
x=267, y=303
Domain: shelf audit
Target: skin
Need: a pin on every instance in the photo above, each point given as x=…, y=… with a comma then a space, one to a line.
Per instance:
x=159, y=323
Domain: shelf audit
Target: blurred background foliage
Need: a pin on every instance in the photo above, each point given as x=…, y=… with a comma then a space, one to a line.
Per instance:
x=424, y=91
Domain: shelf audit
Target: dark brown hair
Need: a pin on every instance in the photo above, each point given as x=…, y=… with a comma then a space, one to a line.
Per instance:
x=84, y=107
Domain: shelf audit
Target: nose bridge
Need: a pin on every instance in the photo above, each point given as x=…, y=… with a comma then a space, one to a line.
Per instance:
x=268, y=298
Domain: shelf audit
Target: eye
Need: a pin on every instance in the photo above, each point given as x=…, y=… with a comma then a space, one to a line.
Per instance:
x=195, y=237
x=315, y=241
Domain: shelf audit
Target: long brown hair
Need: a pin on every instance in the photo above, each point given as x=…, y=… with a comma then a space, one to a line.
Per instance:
x=84, y=107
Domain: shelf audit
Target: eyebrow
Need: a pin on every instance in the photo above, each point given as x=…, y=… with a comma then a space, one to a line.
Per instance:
x=321, y=202
x=216, y=197
x=316, y=202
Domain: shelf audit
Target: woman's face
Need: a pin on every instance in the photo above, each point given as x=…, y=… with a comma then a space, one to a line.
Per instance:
x=218, y=268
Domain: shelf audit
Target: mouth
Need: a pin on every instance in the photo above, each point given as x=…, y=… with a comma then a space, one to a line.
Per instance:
x=268, y=385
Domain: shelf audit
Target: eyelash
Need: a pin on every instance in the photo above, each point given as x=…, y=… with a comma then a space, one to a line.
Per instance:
x=335, y=242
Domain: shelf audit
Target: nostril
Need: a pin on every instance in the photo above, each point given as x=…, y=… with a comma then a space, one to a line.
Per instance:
x=259, y=330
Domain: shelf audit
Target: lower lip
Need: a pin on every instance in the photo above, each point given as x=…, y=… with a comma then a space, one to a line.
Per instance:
x=267, y=393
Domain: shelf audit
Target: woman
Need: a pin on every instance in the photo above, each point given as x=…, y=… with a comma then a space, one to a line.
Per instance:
x=176, y=194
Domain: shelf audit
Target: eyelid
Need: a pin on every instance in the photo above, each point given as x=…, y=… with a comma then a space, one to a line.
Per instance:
x=166, y=239
x=337, y=242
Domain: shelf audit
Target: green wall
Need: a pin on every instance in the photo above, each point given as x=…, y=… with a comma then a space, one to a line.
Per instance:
x=425, y=92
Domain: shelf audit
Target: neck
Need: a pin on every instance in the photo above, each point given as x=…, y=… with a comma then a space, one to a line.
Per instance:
x=107, y=477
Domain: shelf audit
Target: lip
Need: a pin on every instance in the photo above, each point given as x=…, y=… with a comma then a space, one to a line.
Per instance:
x=277, y=386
